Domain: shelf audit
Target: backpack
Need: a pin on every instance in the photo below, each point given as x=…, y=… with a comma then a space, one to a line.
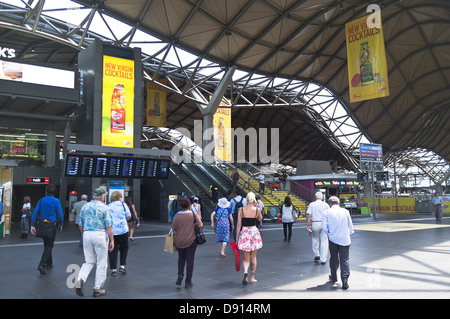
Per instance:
x=237, y=206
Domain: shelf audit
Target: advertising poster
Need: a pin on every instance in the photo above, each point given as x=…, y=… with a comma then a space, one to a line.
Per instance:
x=156, y=105
x=366, y=60
x=222, y=133
x=389, y=205
x=446, y=204
x=118, y=102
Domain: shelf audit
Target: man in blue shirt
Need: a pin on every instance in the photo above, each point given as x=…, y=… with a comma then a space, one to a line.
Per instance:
x=437, y=202
x=48, y=210
x=337, y=224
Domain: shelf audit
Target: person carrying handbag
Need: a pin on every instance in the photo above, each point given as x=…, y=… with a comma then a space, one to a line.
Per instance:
x=223, y=225
x=48, y=213
x=185, y=241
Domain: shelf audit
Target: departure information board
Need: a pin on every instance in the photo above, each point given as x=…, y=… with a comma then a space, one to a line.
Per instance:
x=82, y=165
x=115, y=165
x=87, y=166
x=101, y=166
x=163, y=170
x=72, y=165
x=140, y=168
x=128, y=167
x=152, y=169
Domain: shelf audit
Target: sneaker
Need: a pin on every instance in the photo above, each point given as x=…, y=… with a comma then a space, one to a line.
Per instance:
x=99, y=292
x=122, y=270
x=114, y=273
x=345, y=285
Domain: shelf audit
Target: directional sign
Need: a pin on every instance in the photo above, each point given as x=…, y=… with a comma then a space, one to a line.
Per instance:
x=371, y=152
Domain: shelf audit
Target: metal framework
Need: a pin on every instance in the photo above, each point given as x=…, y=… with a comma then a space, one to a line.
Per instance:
x=194, y=77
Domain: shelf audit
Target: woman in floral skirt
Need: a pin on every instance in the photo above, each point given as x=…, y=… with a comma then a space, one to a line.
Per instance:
x=223, y=225
x=249, y=238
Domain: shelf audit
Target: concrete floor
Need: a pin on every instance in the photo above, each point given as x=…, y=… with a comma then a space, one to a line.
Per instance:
x=394, y=256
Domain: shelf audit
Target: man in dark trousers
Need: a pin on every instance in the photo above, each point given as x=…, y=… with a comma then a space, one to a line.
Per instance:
x=48, y=210
x=337, y=224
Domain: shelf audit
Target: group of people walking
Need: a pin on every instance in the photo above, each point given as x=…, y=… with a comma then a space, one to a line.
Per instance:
x=330, y=227
x=104, y=229
x=105, y=234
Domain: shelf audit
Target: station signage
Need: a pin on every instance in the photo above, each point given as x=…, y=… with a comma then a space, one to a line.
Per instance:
x=38, y=180
x=78, y=165
x=35, y=74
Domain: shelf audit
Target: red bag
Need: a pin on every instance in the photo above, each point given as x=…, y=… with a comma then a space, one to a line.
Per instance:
x=279, y=219
x=237, y=255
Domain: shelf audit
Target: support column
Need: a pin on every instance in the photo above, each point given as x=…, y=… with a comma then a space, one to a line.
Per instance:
x=50, y=149
x=63, y=179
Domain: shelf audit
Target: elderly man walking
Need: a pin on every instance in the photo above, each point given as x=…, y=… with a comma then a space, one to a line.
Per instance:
x=96, y=225
x=314, y=227
x=337, y=223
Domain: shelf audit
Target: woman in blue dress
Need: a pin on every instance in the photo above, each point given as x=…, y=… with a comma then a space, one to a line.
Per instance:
x=224, y=224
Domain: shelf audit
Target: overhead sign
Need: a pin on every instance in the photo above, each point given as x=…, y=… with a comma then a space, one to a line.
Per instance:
x=38, y=180
x=35, y=74
x=371, y=152
x=116, y=167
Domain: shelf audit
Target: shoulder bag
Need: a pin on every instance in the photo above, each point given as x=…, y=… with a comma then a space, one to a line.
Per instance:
x=44, y=229
x=200, y=236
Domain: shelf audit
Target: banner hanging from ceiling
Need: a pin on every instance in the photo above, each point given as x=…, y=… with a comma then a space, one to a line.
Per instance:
x=366, y=60
x=118, y=102
x=156, y=105
x=222, y=133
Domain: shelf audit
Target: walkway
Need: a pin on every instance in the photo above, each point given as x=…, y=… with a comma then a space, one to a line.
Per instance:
x=396, y=256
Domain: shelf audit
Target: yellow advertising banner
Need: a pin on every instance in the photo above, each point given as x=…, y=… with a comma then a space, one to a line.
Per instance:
x=446, y=204
x=156, y=105
x=389, y=205
x=118, y=102
x=222, y=133
x=366, y=60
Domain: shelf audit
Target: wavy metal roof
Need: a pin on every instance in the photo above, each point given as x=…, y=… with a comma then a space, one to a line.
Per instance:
x=304, y=43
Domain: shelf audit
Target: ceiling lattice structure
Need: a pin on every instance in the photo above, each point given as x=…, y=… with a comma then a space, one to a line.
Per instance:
x=291, y=61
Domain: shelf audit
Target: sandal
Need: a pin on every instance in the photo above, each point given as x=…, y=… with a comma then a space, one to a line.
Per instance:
x=222, y=255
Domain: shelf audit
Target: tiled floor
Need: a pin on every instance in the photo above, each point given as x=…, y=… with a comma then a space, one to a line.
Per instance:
x=403, y=262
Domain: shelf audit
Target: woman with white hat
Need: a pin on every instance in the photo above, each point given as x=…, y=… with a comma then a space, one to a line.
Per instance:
x=224, y=224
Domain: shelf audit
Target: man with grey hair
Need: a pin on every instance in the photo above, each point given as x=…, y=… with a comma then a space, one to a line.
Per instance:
x=314, y=227
x=96, y=225
x=337, y=223
x=77, y=209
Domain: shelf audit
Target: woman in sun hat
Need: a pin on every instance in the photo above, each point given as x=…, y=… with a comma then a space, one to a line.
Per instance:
x=224, y=224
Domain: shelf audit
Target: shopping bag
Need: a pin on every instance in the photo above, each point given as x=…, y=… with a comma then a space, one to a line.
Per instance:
x=169, y=243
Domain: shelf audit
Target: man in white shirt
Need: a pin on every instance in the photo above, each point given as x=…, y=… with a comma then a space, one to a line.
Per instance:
x=262, y=183
x=314, y=227
x=337, y=223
